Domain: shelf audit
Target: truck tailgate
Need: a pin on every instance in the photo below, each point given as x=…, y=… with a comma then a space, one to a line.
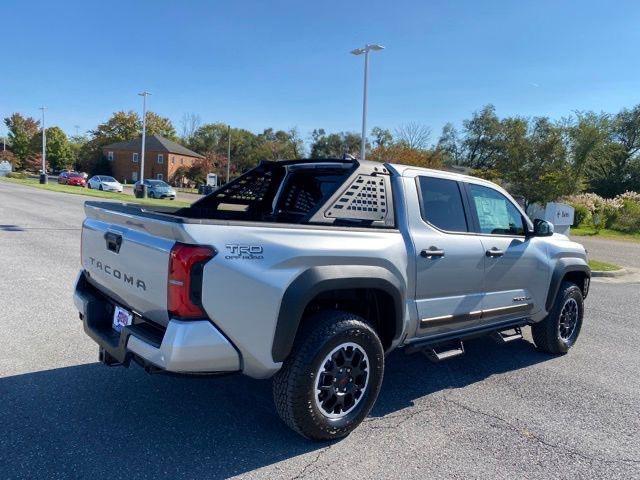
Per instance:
x=127, y=258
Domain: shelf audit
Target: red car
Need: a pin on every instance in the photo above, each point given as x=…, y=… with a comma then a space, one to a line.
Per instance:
x=76, y=179
x=64, y=176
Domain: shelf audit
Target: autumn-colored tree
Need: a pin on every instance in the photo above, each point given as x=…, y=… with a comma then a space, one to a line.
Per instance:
x=401, y=153
x=9, y=156
x=21, y=132
x=33, y=163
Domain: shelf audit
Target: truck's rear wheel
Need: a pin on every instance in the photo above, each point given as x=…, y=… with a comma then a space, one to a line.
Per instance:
x=332, y=377
x=559, y=331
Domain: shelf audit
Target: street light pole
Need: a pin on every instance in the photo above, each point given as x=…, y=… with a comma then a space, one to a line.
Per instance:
x=144, y=137
x=228, y=152
x=43, y=175
x=359, y=51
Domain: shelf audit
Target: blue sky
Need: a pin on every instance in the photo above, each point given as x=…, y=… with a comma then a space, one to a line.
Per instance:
x=258, y=64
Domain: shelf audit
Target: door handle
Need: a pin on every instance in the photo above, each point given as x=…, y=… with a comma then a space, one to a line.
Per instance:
x=495, y=252
x=114, y=241
x=432, y=252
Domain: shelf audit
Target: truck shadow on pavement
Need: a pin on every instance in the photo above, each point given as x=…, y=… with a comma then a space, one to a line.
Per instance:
x=91, y=421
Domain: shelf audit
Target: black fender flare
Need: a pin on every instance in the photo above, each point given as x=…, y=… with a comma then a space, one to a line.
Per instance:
x=316, y=280
x=564, y=266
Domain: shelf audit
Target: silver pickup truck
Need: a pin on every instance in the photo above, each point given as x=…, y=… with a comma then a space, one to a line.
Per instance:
x=310, y=272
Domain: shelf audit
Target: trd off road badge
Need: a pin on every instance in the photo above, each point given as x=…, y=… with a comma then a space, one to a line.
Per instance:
x=244, y=252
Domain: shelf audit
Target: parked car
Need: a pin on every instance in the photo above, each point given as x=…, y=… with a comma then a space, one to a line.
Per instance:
x=104, y=182
x=74, y=178
x=155, y=189
x=311, y=271
x=63, y=176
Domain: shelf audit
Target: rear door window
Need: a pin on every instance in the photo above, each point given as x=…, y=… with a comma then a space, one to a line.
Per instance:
x=441, y=204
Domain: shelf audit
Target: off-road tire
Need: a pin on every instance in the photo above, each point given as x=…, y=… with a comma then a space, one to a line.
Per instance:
x=294, y=386
x=546, y=334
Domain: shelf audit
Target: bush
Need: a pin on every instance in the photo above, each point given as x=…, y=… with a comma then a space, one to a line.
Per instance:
x=628, y=220
x=582, y=215
x=20, y=175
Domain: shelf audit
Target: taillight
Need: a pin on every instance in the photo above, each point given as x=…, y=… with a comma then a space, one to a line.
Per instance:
x=184, y=289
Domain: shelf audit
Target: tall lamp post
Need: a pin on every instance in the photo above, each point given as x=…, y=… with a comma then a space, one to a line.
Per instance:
x=359, y=51
x=144, y=137
x=43, y=174
x=228, y=152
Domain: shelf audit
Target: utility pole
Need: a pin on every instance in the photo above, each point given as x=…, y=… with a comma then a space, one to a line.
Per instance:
x=228, y=151
x=43, y=174
x=359, y=51
x=144, y=135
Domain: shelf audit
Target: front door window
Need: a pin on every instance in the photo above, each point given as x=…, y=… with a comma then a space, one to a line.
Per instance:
x=496, y=214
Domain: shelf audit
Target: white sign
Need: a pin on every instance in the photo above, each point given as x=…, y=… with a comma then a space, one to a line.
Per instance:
x=559, y=214
x=5, y=167
x=212, y=179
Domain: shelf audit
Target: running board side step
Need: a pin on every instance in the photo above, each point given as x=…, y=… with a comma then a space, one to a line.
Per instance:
x=438, y=353
x=508, y=335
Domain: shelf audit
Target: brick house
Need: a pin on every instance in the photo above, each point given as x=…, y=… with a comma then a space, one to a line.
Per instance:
x=162, y=158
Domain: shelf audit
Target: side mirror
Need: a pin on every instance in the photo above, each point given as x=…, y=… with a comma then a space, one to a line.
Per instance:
x=542, y=228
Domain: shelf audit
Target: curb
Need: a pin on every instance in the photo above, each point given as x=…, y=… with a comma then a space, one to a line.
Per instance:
x=611, y=273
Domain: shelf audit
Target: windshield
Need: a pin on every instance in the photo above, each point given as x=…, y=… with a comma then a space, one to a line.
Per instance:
x=74, y=175
x=108, y=179
x=157, y=183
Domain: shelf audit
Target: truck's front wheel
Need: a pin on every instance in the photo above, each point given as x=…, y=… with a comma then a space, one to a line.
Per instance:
x=329, y=383
x=559, y=331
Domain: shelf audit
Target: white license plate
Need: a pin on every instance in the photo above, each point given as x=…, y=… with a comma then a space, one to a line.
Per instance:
x=121, y=318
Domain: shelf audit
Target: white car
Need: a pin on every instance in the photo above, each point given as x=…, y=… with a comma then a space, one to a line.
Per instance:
x=106, y=183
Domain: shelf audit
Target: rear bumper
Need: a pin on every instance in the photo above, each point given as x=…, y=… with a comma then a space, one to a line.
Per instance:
x=183, y=347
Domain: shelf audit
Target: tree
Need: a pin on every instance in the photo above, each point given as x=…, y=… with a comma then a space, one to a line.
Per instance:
x=76, y=144
x=21, y=132
x=480, y=142
x=189, y=123
x=448, y=144
x=334, y=145
x=381, y=137
x=413, y=135
x=401, y=153
x=532, y=160
x=8, y=155
x=59, y=153
x=279, y=145
x=157, y=125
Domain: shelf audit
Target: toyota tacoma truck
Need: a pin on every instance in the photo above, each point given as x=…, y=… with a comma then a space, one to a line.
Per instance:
x=311, y=272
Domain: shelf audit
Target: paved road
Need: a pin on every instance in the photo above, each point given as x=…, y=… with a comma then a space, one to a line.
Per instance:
x=500, y=411
x=625, y=254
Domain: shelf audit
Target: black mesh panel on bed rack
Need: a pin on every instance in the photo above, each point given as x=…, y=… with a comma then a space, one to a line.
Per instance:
x=251, y=188
x=365, y=199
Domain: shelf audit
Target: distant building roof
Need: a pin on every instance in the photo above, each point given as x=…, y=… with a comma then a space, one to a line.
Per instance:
x=156, y=143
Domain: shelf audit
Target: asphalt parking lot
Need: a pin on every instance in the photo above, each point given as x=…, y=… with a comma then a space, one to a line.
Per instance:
x=500, y=411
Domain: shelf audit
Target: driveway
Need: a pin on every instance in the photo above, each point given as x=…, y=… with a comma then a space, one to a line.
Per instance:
x=500, y=411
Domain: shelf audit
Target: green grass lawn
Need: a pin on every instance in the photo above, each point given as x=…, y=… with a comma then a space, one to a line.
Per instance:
x=605, y=233
x=603, y=266
x=122, y=197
